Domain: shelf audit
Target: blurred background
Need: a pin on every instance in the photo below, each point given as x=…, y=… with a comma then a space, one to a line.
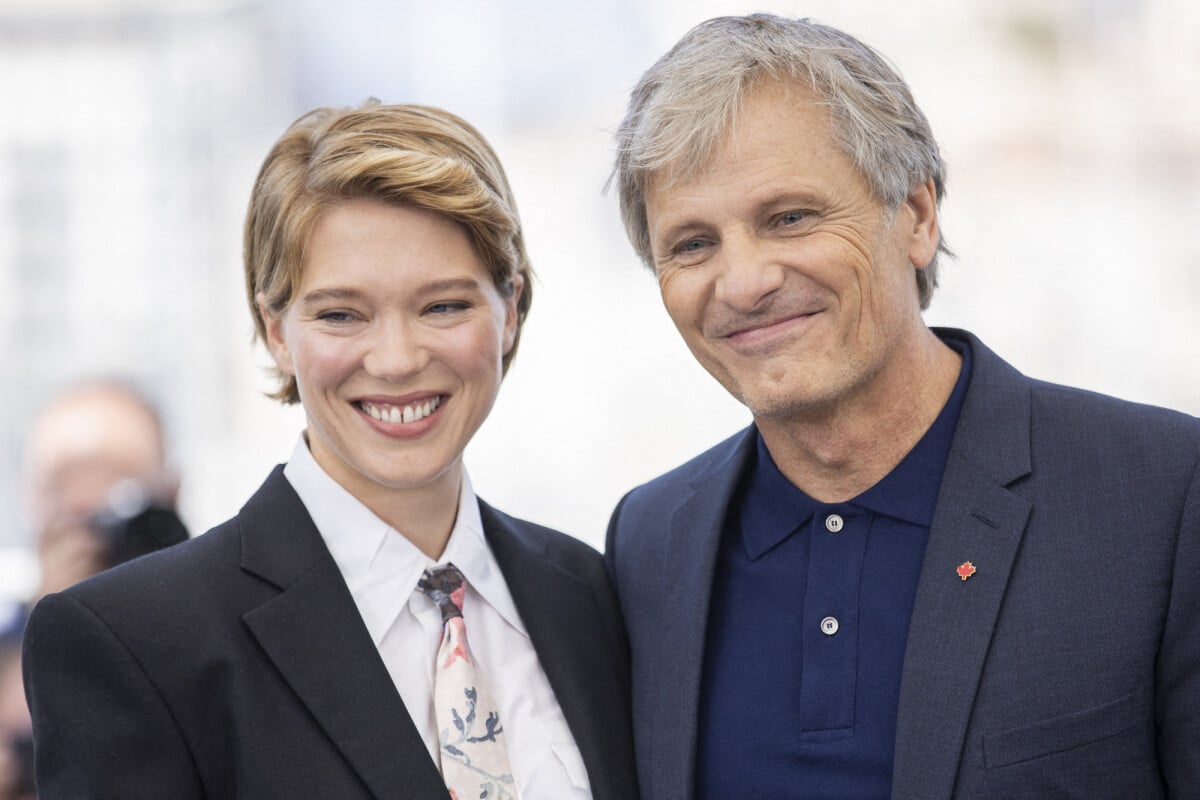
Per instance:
x=131, y=131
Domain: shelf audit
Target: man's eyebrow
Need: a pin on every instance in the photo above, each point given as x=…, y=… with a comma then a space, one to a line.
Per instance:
x=666, y=236
x=763, y=203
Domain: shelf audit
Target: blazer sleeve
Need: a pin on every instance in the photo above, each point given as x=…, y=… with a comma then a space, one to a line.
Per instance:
x=101, y=727
x=1178, y=680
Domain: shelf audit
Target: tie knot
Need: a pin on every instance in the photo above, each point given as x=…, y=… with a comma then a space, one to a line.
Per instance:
x=444, y=586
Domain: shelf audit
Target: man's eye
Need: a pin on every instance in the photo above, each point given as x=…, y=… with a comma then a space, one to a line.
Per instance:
x=691, y=246
x=447, y=307
x=791, y=217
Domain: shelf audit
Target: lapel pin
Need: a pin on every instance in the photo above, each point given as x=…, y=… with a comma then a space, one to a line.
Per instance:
x=965, y=570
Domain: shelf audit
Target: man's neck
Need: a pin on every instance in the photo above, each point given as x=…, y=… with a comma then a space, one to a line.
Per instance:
x=834, y=454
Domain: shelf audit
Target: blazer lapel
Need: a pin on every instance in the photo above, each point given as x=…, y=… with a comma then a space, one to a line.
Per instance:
x=693, y=543
x=576, y=659
x=978, y=519
x=313, y=634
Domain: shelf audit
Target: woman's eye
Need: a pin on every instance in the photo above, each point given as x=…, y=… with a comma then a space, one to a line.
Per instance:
x=335, y=316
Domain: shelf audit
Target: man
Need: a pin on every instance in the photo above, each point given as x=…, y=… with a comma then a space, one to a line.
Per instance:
x=918, y=574
x=99, y=491
x=96, y=457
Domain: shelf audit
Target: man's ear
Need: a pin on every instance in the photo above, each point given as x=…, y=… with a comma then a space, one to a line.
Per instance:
x=276, y=344
x=922, y=218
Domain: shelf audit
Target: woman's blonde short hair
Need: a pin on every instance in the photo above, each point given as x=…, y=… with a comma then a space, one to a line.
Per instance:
x=404, y=154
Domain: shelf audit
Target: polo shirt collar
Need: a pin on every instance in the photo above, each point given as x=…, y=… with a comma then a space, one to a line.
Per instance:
x=909, y=492
x=779, y=508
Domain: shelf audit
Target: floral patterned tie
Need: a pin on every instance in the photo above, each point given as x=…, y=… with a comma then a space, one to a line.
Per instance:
x=470, y=736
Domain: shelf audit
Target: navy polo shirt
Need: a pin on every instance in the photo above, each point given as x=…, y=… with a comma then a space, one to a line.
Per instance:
x=807, y=627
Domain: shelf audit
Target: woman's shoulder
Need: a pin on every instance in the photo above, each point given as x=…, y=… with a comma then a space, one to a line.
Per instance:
x=177, y=576
x=518, y=537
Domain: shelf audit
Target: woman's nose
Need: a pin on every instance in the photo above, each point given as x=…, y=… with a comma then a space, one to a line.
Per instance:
x=395, y=351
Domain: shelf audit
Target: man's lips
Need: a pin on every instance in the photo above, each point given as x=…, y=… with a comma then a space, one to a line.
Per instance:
x=768, y=330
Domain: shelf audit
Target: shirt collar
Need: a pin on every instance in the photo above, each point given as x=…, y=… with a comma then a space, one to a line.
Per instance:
x=379, y=564
x=909, y=492
x=772, y=506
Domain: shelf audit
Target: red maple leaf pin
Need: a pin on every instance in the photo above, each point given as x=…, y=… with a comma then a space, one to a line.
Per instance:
x=965, y=570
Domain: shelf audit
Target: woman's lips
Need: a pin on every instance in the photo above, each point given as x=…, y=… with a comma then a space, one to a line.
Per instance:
x=400, y=413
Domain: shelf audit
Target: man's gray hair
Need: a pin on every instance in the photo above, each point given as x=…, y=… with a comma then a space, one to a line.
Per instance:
x=684, y=104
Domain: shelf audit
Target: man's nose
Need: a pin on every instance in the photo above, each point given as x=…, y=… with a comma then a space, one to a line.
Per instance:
x=747, y=273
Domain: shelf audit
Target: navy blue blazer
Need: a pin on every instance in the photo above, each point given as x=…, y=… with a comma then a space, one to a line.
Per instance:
x=236, y=665
x=1068, y=666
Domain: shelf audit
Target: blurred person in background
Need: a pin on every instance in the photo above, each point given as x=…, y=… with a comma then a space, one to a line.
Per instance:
x=16, y=745
x=96, y=456
x=316, y=644
x=919, y=573
x=99, y=492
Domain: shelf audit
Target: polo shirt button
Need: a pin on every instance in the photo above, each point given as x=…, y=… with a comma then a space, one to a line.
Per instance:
x=829, y=626
x=834, y=523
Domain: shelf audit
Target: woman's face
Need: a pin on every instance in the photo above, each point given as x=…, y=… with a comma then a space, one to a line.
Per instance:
x=395, y=338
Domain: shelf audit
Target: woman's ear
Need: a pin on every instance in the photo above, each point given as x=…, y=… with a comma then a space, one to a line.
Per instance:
x=276, y=342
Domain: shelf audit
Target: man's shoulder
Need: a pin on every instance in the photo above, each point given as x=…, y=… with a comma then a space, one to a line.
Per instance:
x=1103, y=411
x=1104, y=434
x=1061, y=411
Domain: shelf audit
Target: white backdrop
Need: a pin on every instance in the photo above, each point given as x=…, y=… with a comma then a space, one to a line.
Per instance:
x=1072, y=131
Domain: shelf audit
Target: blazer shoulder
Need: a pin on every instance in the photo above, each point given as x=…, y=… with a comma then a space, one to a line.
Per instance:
x=216, y=566
x=193, y=588
x=723, y=459
x=178, y=571
x=561, y=549
x=1111, y=423
x=1071, y=407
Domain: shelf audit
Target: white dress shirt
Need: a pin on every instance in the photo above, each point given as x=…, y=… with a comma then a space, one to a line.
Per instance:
x=381, y=567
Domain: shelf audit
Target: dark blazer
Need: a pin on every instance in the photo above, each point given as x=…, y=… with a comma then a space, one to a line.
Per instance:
x=1068, y=666
x=236, y=665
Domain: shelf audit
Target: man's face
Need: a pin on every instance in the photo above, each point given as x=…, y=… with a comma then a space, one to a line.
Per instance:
x=787, y=279
x=81, y=448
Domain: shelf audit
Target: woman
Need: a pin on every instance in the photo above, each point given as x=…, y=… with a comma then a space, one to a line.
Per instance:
x=316, y=645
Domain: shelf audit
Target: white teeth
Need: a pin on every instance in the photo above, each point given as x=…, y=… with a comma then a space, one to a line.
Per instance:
x=403, y=414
